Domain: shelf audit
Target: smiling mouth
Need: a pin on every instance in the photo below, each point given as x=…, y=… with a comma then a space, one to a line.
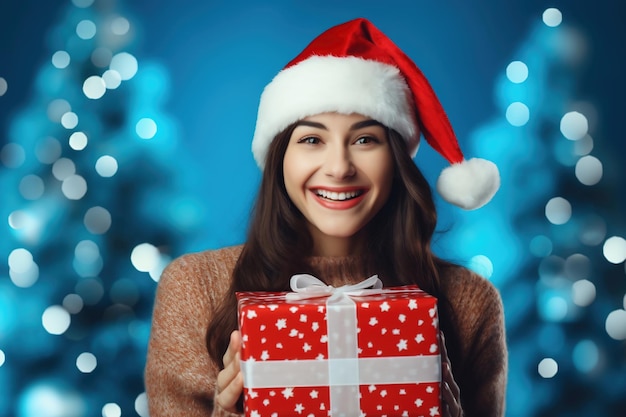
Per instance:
x=338, y=196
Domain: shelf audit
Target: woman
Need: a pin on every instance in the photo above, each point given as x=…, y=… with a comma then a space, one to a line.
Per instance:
x=341, y=199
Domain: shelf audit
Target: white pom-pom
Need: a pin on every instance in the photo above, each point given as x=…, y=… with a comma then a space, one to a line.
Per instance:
x=470, y=184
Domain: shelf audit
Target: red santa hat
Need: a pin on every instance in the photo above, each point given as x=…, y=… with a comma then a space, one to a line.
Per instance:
x=355, y=68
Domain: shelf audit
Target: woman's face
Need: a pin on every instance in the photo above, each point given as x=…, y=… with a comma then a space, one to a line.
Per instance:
x=338, y=171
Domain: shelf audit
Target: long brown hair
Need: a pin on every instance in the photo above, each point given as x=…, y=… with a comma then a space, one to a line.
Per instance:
x=401, y=232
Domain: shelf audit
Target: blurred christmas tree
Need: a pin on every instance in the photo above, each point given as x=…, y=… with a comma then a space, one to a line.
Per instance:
x=96, y=206
x=550, y=240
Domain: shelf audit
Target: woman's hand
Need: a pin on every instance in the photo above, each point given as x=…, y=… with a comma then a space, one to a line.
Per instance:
x=450, y=393
x=230, y=380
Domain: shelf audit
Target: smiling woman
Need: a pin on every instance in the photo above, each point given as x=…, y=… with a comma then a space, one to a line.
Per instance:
x=340, y=199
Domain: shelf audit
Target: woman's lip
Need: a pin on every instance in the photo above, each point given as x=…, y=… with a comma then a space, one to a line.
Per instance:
x=339, y=205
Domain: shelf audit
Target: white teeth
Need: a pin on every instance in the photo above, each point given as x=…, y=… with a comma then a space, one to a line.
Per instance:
x=331, y=195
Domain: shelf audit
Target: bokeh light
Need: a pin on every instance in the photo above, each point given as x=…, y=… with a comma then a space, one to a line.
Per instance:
x=517, y=72
x=558, y=210
x=4, y=86
x=78, y=141
x=614, y=249
x=94, y=87
x=106, y=166
x=616, y=324
x=12, y=155
x=56, y=320
x=69, y=120
x=574, y=125
x=86, y=29
x=583, y=292
x=74, y=187
x=552, y=17
x=125, y=64
x=517, y=114
x=86, y=362
x=589, y=170
x=111, y=410
x=97, y=220
x=120, y=26
x=146, y=128
x=61, y=59
x=547, y=368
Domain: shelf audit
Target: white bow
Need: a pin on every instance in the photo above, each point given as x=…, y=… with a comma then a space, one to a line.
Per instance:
x=307, y=286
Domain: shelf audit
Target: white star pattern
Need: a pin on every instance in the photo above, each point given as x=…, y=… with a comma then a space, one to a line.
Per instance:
x=265, y=355
x=266, y=402
x=431, y=312
x=373, y=321
x=293, y=309
x=419, y=402
x=435, y=322
x=429, y=389
x=252, y=394
x=303, y=318
x=324, y=339
x=313, y=394
x=402, y=391
x=293, y=333
x=402, y=318
x=434, y=411
x=255, y=413
x=320, y=357
x=287, y=392
x=262, y=327
x=412, y=304
x=281, y=324
x=279, y=345
x=320, y=309
x=365, y=305
x=419, y=338
x=306, y=347
x=299, y=408
x=251, y=314
x=372, y=388
x=405, y=413
x=370, y=345
x=383, y=330
x=395, y=332
x=402, y=345
x=315, y=325
x=433, y=348
x=272, y=307
x=385, y=306
x=383, y=393
x=263, y=340
x=420, y=322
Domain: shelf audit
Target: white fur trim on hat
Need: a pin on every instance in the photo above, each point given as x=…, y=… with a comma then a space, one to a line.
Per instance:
x=469, y=184
x=321, y=84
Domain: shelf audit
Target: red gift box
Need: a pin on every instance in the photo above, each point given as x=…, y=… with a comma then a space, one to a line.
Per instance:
x=360, y=353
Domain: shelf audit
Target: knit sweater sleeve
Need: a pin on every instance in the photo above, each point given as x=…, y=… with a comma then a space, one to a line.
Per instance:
x=477, y=345
x=179, y=375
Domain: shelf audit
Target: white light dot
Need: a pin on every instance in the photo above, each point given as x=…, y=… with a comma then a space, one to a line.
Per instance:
x=552, y=17
x=48, y=150
x=12, y=155
x=97, y=220
x=86, y=362
x=558, y=210
x=125, y=64
x=616, y=324
x=120, y=26
x=20, y=260
x=583, y=292
x=78, y=141
x=112, y=79
x=482, y=265
x=3, y=86
x=111, y=410
x=614, y=249
x=141, y=405
x=86, y=29
x=2, y=359
x=73, y=303
x=87, y=251
x=146, y=128
x=61, y=59
x=583, y=146
x=106, y=166
x=589, y=170
x=94, y=87
x=145, y=257
x=63, y=168
x=74, y=187
x=517, y=114
x=56, y=320
x=574, y=125
x=31, y=187
x=69, y=120
x=547, y=368
x=517, y=72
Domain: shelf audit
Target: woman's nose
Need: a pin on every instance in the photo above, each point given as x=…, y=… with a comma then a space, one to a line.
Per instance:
x=338, y=163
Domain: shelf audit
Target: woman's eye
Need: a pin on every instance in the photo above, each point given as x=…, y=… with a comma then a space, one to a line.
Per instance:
x=311, y=140
x=363, y=140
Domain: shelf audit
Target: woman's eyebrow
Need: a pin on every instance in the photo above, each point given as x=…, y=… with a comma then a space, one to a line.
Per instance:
x=366, y=123
x=311, y=124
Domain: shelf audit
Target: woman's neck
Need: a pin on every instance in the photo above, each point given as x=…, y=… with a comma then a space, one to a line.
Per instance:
x=333, y=246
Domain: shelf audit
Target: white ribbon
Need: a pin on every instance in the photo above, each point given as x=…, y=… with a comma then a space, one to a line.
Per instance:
x=306, y=286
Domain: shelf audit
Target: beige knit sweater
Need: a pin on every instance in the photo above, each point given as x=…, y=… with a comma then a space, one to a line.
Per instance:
x=180, y=376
